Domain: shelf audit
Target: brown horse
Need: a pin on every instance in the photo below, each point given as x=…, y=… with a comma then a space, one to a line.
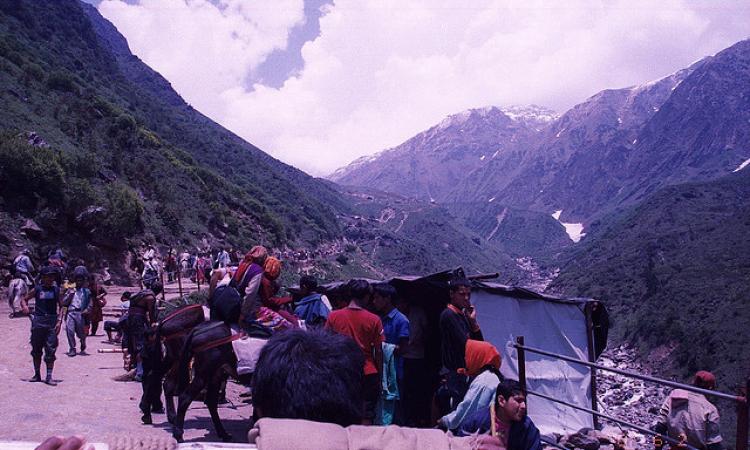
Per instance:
x=173, y=330
x=208, y=344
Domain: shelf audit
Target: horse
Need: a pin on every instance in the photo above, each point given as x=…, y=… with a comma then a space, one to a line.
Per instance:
x=17, y=290
x=173, y=331
x=208, y=344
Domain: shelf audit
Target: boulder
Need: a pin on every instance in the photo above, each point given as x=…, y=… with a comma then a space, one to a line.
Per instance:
x=583, y=441
x=31, y=228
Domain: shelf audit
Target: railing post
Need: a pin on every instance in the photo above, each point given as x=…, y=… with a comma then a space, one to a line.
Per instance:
x=521, y=364
x=163, y=286
x=592, y=359
x=179, y=281
x=743, y=418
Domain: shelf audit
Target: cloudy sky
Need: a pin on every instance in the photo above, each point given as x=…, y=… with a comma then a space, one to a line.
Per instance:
x=318, y=83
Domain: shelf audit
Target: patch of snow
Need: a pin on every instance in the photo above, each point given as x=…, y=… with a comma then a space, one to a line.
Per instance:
x=619, y=120
x=744, y=164
x=496, y=153
x=531, y=112
x=482, y=158
x=635, y=141
x=491, y=200
x=560, y=132
x=574, y=230
x=655, y=108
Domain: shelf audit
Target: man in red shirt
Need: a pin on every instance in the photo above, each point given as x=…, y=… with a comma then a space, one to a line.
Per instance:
x=367, y=331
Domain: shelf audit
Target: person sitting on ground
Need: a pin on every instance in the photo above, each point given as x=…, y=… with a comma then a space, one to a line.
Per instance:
x=692, y=415
x=311, y=308
x=505, y=419
x=458, y=322
x=117, y=326
x=284, y=386
x=483, y=365
x=367, y=331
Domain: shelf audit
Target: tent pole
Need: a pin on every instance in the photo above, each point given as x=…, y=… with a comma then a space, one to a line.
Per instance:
x=521, y=364
x=592, y=359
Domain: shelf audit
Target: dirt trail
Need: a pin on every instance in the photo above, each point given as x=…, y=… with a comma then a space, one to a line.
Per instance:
x=87, y=400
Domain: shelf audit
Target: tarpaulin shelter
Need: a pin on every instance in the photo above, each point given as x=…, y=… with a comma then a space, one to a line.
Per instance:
x=572, y=327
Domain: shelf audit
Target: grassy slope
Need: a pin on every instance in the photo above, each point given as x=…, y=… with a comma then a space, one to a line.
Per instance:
x=60, y=79
x=674, y=273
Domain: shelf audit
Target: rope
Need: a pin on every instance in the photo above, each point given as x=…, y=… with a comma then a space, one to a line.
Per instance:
x=219, y=342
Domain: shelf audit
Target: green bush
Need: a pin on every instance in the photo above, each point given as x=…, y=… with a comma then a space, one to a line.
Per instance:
x=33, y=71
x=62, y=81
x=79, y=195
x=124, y=211
x=28, y=173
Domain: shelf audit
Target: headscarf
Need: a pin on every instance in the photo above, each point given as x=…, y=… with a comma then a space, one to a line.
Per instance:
x=480, y=354
x=257, y=254
x=272, y=267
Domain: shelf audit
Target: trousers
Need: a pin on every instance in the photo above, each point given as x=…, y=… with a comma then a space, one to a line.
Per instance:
x=74, y=327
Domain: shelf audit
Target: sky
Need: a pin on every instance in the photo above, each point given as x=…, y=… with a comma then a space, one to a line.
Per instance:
x=318, y=83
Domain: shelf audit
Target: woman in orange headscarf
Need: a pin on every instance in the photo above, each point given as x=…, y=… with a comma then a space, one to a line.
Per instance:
x=483, y=363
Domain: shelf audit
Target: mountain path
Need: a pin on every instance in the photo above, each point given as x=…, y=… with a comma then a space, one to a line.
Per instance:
x=87, y=400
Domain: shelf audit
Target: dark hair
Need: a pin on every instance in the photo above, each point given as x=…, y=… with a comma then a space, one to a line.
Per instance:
x=458, y=282
x=156, y=287
x=126, y=295
x=508, y=388
x=385, y=290
x=309, y=282
x=358, y=289
x=311, y=375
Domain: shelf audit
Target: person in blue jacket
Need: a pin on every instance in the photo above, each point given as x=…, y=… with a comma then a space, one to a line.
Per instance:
x=311, y=307
x=506, y=419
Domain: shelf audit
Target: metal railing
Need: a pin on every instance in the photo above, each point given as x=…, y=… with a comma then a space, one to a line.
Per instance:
x=741, y=403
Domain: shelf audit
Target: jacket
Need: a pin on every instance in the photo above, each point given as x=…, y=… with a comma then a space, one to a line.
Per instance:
x=524, y=435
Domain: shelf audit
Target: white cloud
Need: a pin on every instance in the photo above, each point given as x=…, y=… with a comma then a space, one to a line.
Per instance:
x=383, y=70
x=204, y=48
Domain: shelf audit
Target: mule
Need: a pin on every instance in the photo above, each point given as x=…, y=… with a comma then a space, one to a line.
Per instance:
x=17, y=290
x=209, y=345
x=173, y=331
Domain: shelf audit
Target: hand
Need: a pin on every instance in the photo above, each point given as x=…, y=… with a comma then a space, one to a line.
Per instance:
x=60, y=443
x=471, y=313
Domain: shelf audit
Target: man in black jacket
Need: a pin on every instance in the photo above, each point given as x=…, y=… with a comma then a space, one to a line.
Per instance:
x=458, y=323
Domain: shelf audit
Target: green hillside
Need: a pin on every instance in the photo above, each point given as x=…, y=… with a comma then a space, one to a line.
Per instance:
x=674, y=273
x=119, y=138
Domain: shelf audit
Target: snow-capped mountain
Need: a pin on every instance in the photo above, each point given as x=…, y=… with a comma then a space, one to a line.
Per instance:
x=430, y=164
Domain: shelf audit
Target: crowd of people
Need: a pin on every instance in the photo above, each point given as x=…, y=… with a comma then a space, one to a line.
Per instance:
x=358, y=357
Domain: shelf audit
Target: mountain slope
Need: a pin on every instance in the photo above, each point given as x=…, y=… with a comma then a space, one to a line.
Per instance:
x=673, y=272
x=430, y=164
x=68, y=76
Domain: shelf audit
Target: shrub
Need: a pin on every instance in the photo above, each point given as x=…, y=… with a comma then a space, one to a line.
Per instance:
x=28, y=172
x=61, y=81
x=124, y=211
x=33, y=71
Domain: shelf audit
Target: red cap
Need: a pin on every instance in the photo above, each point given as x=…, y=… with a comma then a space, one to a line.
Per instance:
x=705, y=379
